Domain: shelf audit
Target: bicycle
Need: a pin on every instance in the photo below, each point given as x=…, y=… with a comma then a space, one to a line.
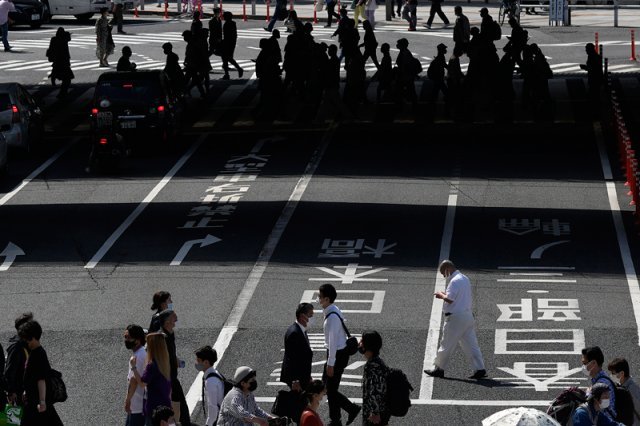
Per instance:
x=510, y=8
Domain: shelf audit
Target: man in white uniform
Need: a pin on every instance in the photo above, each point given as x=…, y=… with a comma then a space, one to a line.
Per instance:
x=459, y=324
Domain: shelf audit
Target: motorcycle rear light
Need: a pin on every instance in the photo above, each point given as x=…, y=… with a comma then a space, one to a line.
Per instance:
x=15, y=118
x=127, y=86
x=103, y=141
x=160, y=108
x=94, y=111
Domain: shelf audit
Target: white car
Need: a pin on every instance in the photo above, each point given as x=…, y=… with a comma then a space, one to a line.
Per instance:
x=20, y=117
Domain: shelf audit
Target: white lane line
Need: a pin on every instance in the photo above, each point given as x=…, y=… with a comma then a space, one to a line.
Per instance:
x=533, y=280
x=143, y=205
x=36, y=172
x=426, y=384
x=623, y=244
x=538, y=268
x=450, y=402
x=537, y=274
x=242, y=301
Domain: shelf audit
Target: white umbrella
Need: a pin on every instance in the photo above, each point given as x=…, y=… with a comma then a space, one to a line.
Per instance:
x=520, y=416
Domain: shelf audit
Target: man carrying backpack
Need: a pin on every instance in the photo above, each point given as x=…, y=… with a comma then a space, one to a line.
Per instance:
x=592, y=412
x=374, y=381
x=619, y=371
x=212, y=383
x=490, y=30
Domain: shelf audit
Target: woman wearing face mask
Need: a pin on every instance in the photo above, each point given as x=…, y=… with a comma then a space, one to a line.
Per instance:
x=156, y=375
x=239, y=407
x=374, y=381
x=161, y=301
x=591, y=412
x=315, y=394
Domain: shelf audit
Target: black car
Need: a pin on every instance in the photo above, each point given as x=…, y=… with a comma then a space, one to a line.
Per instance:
x=140, y=106
x=30, y=12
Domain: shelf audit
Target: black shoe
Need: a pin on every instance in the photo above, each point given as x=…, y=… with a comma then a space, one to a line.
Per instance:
x=267, y=29
x=240, y=73
x=480, y=374
x=354, y=414
x=436, y=372
x=121, y=32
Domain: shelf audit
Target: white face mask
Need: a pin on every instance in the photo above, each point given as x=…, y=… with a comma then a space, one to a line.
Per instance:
x=585, y=370
x=170, y=306
x=604, y=404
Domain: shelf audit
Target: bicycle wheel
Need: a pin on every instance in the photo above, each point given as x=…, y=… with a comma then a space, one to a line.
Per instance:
x=501, y=14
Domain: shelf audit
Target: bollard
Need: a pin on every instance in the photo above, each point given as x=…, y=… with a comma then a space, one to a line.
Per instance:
x=166, y=10
x=633, y=46
x=268, y=16
x=315, y=12
x=244, y=10
x=606, y=66
x=220, y=4
x=135, y=12
x=597, y=45
x=200, y=7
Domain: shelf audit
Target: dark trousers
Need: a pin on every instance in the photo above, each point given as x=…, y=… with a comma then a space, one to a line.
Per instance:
x=135, y=420
x=177, y=395
x=331, y=13
x=31, y=416
x=337, y=401
x=436, y=7
x=117, y=16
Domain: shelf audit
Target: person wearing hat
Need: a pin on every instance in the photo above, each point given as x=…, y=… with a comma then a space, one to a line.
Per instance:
x=591, y=412
x=436, y=71
x=239, y=407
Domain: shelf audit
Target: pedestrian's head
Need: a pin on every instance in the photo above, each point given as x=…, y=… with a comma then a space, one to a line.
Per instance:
x=513, y=22
x=30, y=332
x=60, y=32
x=599, y=396
x=590, y=48
x=367, y=25
x=162, y=299
x=168, y=319
x=592, y=359
x=327, y=294
x=442, y=48
x=206, y=356
x=333, y=50
x=166, y=48
x=196, y=15
x=275, y=33
x=134, y=337
x=343, y=10
x=457, y=10
x=475, y=31
x=484, y=12
x=304, y=313
x=126, y=52
x=619, y=369
x=227, y=16
x=385, y=48
x=458, y=51
x=315, y=392
x=187, y=35
x=157, y=352
x=163, y=416
x=103, y=11
x=22, y=318
x=446, y=268
x=402, y=44
x=245, y=379
x=216, y=11
x=196, y=26
x=370, y=344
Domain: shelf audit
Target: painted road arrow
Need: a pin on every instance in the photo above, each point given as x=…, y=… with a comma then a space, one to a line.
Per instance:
x=10, y=252
x=182, y=253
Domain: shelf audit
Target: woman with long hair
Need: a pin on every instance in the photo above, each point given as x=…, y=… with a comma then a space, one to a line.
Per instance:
x=156, y=375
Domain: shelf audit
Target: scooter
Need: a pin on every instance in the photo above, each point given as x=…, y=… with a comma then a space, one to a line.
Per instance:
x=107, y=149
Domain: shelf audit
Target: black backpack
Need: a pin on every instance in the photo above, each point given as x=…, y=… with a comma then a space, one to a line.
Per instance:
x=56, y=389
x=497, y=31
x=563, y=406
x=624, y=404
x=398, y=396
x=228, y=385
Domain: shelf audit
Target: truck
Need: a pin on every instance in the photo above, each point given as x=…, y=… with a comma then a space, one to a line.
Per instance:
x=83, y=10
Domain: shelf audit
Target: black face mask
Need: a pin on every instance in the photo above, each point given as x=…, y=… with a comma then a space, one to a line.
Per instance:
x=362, y=350
x=253, y=386
x=130, y=344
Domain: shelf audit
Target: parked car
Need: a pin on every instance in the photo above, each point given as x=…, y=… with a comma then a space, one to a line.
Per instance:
x=21, y=120
x=83, y=10
x=30, y=12
x=140, y=106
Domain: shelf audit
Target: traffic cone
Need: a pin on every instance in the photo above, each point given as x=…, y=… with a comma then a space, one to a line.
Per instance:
x=135, y=12
x=166, y=10
x=244, y=10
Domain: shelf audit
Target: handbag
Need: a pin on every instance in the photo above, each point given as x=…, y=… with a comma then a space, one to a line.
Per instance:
x=352, y=342
x=288, y=404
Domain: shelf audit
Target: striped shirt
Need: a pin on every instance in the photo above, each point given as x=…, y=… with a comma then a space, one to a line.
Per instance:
x=238, y=409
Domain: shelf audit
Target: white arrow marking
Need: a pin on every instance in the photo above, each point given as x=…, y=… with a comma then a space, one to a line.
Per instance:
x=182, y=253
x=11, y=251
x=537, y=253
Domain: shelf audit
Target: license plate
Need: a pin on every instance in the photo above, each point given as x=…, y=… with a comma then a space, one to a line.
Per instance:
x=35, y=17
x=104, y=119
x=128, y=124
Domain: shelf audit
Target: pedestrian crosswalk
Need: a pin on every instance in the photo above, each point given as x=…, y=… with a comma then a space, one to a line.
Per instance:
x=232, y=106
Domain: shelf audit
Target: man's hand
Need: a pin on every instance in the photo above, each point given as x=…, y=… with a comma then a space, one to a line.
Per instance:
x=127, y=405
x=42, y=407
x=375, y=419
x=295, y=386
x=13, y=398
x=440, y=295
x=329, y=371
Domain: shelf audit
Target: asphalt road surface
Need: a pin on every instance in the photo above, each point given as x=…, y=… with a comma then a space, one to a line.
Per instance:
x=245, y=219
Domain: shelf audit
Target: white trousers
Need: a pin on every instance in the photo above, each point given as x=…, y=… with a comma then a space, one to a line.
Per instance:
x=459, y=328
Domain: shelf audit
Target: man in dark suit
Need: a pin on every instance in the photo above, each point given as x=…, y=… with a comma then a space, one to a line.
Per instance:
x=296, y=365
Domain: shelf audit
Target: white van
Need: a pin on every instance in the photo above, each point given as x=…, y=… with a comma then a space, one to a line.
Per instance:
x=81, y=9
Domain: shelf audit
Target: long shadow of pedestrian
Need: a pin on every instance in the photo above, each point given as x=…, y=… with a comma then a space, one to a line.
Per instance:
x=487, y=383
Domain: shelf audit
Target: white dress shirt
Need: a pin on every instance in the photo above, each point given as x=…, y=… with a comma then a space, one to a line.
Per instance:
x=214, y=394
x=334, y=336
x=6, y=7
x=459, y=291
x=137, y=400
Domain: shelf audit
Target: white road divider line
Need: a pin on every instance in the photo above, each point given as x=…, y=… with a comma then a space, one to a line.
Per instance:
x=623, y=244
x=230, y=326
x=106, y=246
x=435, y=322
x=36, y=172
x=449, y=402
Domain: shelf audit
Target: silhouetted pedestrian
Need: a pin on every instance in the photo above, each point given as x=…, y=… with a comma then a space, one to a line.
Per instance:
x=436, y=73
x=191, y=64
x=202, y=52
x=269, y=80
x=124, y=63
x=504, y=84
x=279, y=14
x=58, y=55
x=436, y=7
x=331, y=12
x=354, y=90
x=542, y=74
x=370, y=44
x=358, y=12
x=332, y=101
x=406, y=73
x=229, y=40
x=461, y=29
x=215, y=33
x=173, y=71
x=517, y=40
x=104, y=40
x=593, y=67
x=370, y=7
x=455, y=79
x=385, y=73
x=274, y=45
x=118, y=18
x=410, y=13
